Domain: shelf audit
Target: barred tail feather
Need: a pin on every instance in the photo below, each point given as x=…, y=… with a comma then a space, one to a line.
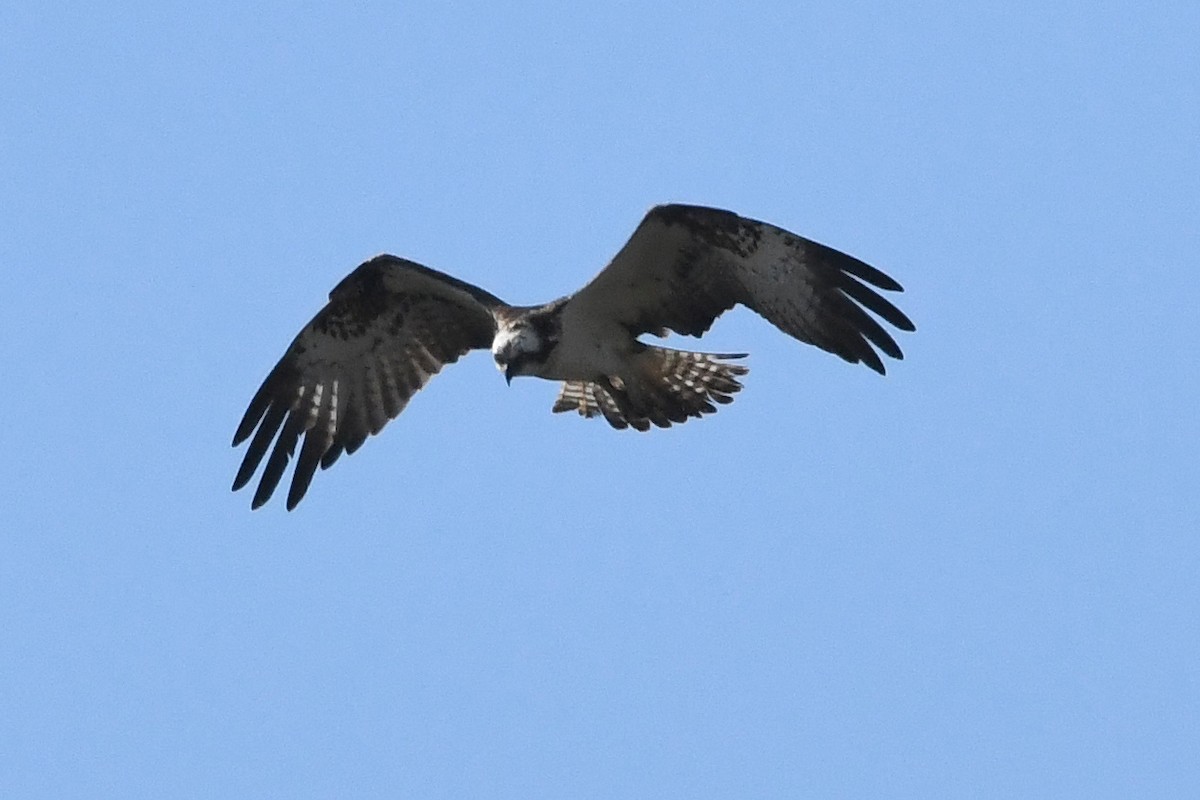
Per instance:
x=665, y=386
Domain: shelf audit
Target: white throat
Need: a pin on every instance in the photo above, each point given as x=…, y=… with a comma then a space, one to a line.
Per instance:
x=515, y=340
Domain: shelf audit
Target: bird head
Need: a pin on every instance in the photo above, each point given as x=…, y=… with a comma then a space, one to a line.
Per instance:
x=518, y=350
x=525, y=337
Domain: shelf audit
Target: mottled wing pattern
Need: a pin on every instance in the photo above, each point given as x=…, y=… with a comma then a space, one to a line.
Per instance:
x=388, y=328
x=686, y=265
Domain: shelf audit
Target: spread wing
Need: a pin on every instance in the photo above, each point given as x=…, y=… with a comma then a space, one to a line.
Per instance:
x=686, y=265
x=389, y=326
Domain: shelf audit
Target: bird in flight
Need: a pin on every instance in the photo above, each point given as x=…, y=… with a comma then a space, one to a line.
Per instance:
x=392, y=324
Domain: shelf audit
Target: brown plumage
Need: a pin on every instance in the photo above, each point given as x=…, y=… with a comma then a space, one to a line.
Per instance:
x=392, y=324
x=389, y=327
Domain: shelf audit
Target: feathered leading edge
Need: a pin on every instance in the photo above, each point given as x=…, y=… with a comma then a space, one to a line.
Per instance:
x=666, y=386
x=389, y=327
x=684, y=266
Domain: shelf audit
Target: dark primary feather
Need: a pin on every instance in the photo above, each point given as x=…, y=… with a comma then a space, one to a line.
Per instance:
x=389, y=326
x=686, y=265
x=392, y=324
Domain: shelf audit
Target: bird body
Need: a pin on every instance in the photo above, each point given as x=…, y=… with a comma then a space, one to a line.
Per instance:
x=392, y=324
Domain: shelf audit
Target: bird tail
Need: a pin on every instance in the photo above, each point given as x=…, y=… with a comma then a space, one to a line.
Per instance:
x=663, y=386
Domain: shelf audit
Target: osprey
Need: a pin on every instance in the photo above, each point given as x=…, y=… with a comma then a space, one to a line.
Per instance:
x=392, y=324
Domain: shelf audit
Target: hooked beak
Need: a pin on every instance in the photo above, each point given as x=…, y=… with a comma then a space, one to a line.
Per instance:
x=506, y=367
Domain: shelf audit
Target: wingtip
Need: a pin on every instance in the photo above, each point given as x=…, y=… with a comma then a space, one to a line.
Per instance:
x=295, y=495
x=261, y=496
x=244, y=474
x=881, y=367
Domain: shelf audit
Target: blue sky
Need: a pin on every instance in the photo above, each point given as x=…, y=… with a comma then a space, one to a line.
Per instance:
x=974, y=577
